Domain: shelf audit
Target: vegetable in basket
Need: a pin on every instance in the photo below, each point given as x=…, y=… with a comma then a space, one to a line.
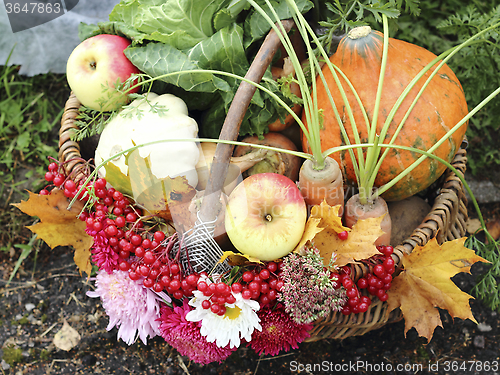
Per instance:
x=420, y=125
x=156, y=117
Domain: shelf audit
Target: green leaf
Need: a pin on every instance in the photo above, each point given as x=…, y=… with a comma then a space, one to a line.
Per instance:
x=157, y=59
x=222, y=51
x=180, y=23
x=117, y=179
x=23, y=140
x=223, y=19
x=256, y=26
x=387, y=9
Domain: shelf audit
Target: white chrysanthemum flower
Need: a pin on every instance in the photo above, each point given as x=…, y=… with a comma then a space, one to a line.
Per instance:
x=131, y=307
x=239, y=321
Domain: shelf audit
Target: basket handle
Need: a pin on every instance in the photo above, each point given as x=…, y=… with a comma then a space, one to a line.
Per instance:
x=210, y=205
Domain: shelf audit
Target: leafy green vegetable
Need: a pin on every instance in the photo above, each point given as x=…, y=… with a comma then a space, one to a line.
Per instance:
x=189, y=35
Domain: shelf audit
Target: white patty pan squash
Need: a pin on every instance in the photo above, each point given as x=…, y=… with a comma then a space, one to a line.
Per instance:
x=166, y=159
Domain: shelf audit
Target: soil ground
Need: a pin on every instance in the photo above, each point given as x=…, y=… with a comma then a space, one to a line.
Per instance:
x=48, y=291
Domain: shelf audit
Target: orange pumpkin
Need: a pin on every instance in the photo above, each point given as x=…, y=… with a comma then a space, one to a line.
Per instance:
x=441, y=106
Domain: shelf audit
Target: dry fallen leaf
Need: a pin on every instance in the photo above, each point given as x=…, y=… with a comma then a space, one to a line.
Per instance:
x=168, y=197
x=311, y=230
x=237, y=259
x=358, y=246
x=425, y=284
x=329, y=217
x=473, y=225
x=493, y=228
x=66, y=338
x=59, y=226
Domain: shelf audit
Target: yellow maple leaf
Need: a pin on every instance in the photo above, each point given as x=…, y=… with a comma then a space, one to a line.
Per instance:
x=329, y=217
x=59, y=226
x=359, y=244
x=310, y=231
x=425, y=284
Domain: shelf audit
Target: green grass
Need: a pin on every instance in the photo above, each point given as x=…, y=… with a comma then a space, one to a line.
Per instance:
x=30, y=113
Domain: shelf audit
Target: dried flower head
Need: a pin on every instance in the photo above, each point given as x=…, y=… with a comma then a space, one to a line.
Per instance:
x=308, y=292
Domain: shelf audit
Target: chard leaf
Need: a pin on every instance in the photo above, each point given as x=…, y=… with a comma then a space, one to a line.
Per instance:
x=223, y=18
x=223, y=51
x=180, y=23
x=157, y=59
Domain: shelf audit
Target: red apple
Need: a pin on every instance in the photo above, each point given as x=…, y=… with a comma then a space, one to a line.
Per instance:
x=93, y=69
x=265, y=216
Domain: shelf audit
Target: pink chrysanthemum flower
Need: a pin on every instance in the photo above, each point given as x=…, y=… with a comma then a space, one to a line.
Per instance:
x=102, y=254
x=279, y=332
x=185, y=336
x=131, y=307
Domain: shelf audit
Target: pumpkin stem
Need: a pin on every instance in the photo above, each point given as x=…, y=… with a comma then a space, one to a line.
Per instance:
x=359, y=32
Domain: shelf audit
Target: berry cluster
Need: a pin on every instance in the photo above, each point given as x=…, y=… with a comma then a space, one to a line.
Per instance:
x=156, y=260
x=220, y=293
x=261, y=284
x=56, y=176
x=143, y=253
x=377, y=283
x=160, y=267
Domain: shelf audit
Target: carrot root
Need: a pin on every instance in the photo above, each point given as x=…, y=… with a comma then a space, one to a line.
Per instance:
x=327, y=184
x=355, y=210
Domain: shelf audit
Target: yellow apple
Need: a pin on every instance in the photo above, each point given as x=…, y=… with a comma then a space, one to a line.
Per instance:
x=93, y=69
x=265, y=216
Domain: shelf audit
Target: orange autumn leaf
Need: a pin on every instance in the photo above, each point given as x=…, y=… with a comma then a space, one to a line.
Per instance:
x=59, y=226
x=359, y=244
x=425, y=285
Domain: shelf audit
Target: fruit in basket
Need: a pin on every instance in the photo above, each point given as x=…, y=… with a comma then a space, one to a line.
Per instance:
x=95, y=67
x=265, y=216
x=141, y=124
x=440, y=107
x=282, y=163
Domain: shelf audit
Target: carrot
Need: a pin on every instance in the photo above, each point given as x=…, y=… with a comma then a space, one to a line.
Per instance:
x=325, y=184
x=277, y=162
x=355, y=210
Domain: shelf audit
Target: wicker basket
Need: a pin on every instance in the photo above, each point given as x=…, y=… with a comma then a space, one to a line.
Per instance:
x=446, y=220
